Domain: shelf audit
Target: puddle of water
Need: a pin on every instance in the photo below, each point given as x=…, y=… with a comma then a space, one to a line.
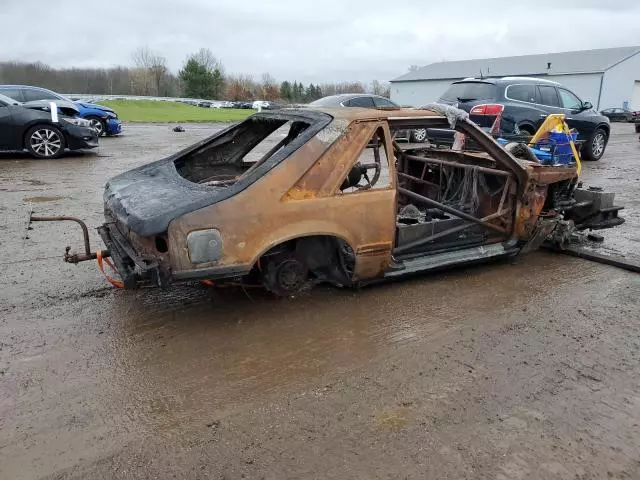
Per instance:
x=192, y=352
x=43, y=199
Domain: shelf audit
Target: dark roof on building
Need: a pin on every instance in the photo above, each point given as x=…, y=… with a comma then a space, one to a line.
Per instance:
x=582, y=61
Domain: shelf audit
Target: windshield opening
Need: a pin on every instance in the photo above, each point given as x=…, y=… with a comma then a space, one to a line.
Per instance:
x=240, y=151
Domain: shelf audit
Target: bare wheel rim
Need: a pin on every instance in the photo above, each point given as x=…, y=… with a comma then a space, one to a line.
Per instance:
x=97, y=125
x=420, y=134
x=45, y=142
x=597, y=146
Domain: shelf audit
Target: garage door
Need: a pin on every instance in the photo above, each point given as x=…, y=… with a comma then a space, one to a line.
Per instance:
x=635, y=98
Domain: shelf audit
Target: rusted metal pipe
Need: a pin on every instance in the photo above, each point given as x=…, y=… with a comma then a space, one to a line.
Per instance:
x=451, y=210
x=606, y=259
x=83, y=226
x=418, y=180
x=447, y=163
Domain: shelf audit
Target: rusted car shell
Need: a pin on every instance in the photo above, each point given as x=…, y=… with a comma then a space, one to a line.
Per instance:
x=300, y=198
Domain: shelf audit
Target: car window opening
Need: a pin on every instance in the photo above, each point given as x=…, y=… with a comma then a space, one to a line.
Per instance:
x=371, y=170
x=450, y=199
x=240, y=151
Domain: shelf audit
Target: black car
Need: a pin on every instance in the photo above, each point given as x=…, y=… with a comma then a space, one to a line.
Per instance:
x=365, y=100
x=527, y=102
x=44, y=134
x=620, y=114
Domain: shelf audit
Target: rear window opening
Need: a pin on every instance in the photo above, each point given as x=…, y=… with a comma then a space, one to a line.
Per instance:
x=240, y=150
x=469, y=92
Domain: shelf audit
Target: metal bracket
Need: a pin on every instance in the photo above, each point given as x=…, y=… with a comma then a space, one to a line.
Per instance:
x=72, y=257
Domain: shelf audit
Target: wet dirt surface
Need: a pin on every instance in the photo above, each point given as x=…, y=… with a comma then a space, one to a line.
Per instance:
x=499, y=371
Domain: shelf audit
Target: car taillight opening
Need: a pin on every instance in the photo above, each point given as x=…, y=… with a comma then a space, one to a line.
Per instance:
x=487, y=109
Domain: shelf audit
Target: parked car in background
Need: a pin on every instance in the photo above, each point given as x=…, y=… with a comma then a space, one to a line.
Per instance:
x=33, y=127
x=365, y=100
x=103, y=119
x=260, y=104
x=620, y=114
x=527, y=102
x=205, y=104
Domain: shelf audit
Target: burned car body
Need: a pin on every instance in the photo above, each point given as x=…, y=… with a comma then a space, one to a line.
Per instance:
x=298, y=196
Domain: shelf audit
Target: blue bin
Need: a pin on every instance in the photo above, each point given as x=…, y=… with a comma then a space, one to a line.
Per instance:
x=561, y=140
x=558, y=148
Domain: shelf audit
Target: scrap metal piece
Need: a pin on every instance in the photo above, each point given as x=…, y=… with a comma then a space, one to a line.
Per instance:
x=452, y=114
x=73, y=257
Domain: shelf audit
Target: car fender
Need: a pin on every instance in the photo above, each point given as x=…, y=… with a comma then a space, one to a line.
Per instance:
x=302, y=229
x=36, y=121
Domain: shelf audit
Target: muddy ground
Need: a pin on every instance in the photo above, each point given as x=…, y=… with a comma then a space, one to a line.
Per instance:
x=499, y=371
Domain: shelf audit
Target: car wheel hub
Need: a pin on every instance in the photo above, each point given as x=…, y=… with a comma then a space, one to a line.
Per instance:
x=96, y=125
x=291, y=275
x=45, y=142
x=420, y=134
x=598, y=144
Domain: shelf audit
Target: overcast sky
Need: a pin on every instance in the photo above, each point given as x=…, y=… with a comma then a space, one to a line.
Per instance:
x=311, y=41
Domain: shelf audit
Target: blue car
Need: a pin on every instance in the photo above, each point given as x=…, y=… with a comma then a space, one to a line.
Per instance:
x=103, y=119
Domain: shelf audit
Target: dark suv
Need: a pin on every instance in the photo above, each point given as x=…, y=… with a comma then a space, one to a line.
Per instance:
x=527, y=102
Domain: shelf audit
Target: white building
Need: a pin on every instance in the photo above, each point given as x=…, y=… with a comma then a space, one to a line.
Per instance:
x=608, y=77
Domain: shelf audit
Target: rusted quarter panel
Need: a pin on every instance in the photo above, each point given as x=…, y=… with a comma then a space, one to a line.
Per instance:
x=300, y=198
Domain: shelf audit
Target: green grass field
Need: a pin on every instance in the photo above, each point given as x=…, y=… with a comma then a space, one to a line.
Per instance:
x=159, y=111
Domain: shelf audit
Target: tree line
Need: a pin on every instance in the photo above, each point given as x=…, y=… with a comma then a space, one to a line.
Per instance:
x=201, y=76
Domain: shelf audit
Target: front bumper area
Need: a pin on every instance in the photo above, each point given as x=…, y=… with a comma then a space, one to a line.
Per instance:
x=133, y=269
x=80, y=137
x=136, y=270
x=113, y=126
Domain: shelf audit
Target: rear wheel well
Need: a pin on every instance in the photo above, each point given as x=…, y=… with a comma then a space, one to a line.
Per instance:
x=530, y=129
x=328, y=258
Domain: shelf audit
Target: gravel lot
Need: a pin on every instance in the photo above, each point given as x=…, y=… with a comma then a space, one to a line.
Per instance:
x=499, y=371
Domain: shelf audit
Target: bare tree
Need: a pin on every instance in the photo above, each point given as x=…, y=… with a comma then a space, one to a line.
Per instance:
x=342, y=87
x=158, y=71
x=270, y=88
x=205, y=57
x=242, y=87
x=380, y=88
x=113, y=81
x=151, y=68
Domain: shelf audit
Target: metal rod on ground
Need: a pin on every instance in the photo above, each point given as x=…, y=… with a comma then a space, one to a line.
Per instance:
x=613, y=260
x=451, y=210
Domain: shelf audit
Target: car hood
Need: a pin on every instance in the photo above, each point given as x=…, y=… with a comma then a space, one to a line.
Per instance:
x=65, y=108
x=94, y=105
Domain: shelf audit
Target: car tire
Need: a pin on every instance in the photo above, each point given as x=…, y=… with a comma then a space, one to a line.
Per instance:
x=419, y=135
x=98, y=124
x=594, y=148
x=637, y=127
x=45, y=142
x=285, y=275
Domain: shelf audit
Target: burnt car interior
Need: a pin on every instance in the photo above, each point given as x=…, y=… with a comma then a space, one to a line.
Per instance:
x=372, y=167
x=450, y=199
x=241, y=150
x=447, y=199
